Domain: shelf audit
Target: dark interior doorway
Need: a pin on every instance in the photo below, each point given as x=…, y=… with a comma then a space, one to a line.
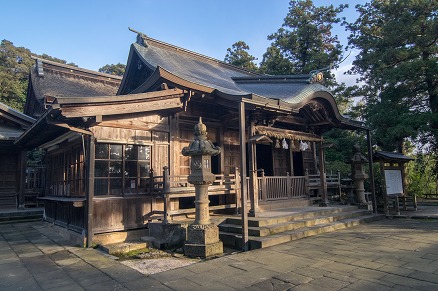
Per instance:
x=298, y=164
x=264, y=159
x=215, y=163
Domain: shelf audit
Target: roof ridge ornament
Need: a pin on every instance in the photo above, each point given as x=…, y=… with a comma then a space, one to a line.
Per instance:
x=316, y=76
x=39, y=67
x=141, y=37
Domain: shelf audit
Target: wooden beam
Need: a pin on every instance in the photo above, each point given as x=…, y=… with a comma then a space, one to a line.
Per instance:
x=72, y=128
x=122, y=108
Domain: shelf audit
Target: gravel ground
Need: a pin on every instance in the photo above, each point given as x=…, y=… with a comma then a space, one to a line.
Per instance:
x=153, y=266
x=156, y=261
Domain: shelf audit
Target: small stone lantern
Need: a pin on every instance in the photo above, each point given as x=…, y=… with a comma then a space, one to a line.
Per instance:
x=358, y=175
x=202, y=236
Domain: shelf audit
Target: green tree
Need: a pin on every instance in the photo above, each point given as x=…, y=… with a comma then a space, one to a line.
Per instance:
x=14, y=70
x=305, y=41
x=15, y=64
x=398, y=65
x=239, y=56
x=112, y=69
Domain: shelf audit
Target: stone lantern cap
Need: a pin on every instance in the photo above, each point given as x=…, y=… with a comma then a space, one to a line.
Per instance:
x=357, y=156
x=201, y=145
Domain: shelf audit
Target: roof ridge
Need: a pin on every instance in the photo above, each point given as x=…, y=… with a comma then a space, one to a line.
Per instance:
x=192, y=53
x=76, y=68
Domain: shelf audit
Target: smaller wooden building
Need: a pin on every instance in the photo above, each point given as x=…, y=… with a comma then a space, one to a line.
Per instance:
x=12, y=158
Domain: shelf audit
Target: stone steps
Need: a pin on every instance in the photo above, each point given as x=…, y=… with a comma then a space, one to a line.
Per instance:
x=292, y=224
x=282, y=218
x=277, y=230
x=27, y=215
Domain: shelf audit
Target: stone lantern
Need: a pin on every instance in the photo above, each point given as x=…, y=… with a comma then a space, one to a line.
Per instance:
x=358, y=175
x=202, y=236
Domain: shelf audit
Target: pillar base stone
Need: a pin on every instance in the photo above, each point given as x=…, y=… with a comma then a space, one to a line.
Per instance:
x=203, y=241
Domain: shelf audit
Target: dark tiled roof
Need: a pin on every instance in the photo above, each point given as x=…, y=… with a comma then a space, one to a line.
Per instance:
x=193, y=67
x=59, y=80
x=293, y=93
x=209, y=72
x=381, y=155
x=12, y=123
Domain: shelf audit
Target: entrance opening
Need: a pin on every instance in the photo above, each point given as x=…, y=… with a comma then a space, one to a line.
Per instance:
x=298, y=164
x=264, y=159
x=215, y=163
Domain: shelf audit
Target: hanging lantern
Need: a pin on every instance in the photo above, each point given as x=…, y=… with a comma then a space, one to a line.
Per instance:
x=303, y=146
x=284, y=144
x=277, y=143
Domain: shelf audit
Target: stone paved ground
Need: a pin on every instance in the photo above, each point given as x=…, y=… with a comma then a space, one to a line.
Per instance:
x=399, y=254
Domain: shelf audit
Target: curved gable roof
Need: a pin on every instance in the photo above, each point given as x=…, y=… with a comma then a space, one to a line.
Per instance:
x=199, y=72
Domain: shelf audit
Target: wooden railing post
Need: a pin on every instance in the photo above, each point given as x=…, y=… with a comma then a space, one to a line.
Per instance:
x=237, y=182
x=151, y=181
x=166, y=190
x=306, y=183
x=264, y=190
x=289, y=185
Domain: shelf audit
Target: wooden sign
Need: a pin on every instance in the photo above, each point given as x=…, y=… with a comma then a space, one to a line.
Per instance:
x=394, y=183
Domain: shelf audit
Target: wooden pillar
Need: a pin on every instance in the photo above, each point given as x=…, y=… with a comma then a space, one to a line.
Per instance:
x=253, y=185
x=222, y=146
x=384, y=192
x=315, y=167
x=322, y=176
x=166, y=198
x=242, y=139
x=291, y=158
x=171, y=150
x=371, y=171
x=90, y=156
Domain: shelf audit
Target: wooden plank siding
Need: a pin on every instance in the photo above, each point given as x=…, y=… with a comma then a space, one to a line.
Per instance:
x=8, y=180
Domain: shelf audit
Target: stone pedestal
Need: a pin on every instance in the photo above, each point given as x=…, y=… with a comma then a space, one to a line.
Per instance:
x=202, y=236
x=358, y=176
x=203, y=241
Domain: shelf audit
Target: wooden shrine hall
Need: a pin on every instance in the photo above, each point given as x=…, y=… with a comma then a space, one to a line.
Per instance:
x=113, y=160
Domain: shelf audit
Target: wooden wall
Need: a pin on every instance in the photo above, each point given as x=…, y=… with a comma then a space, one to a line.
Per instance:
x=9, y=179
x=116, y=213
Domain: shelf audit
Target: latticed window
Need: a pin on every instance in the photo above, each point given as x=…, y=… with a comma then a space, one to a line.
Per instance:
x=66, y=175
x=121, y=169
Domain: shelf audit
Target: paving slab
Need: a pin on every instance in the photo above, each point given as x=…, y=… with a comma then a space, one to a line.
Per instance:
x=392, y=254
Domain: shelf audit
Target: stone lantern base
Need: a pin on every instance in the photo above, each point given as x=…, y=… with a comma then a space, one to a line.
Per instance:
x=203, y=241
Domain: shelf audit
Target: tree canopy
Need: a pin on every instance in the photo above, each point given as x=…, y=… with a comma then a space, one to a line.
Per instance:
x=15, y=64
x=118, y=69
x=398, y=65
x=239, y=56
x=305, y=41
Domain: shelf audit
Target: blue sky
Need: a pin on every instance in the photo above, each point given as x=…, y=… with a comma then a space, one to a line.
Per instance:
x=95, y=33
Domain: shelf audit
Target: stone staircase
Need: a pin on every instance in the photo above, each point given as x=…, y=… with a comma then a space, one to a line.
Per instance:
x=25, y=215
x=284, y=227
